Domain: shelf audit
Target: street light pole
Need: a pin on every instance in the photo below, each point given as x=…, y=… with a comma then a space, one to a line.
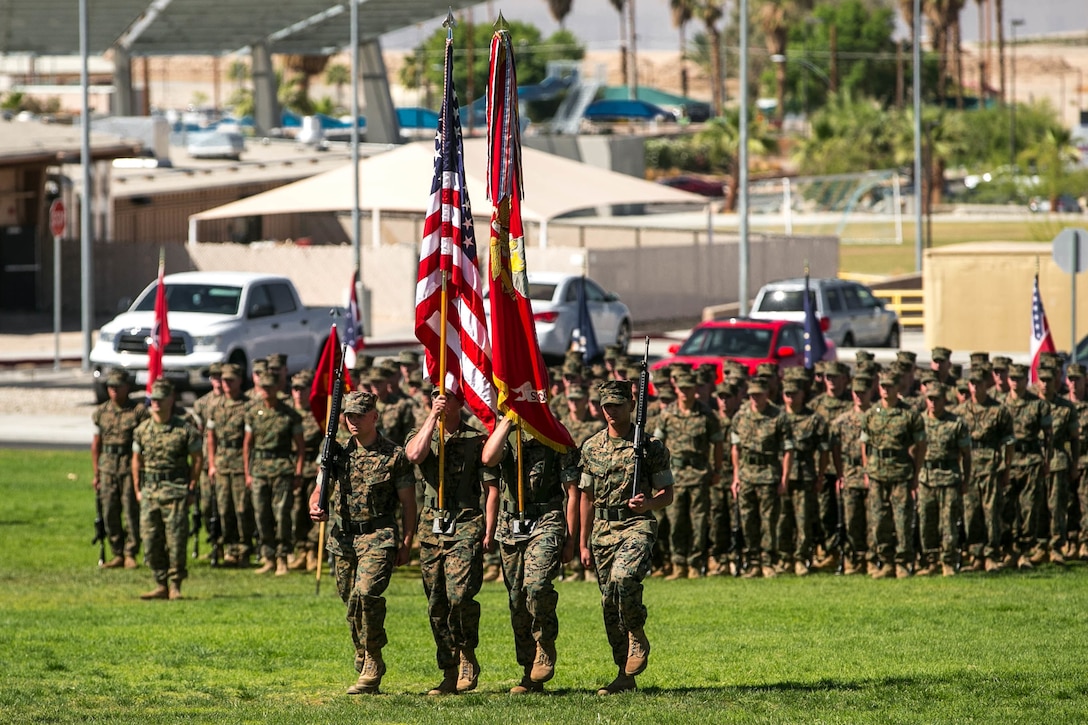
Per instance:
x=1016, y=23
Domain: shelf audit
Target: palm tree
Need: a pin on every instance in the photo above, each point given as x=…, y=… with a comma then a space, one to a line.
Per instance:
x=306, y=66
x=559, y=9
x=619, y=6
x=711, y=12
x=1052, y=156
x=338, y=75
x=721, y=138
x=776, y=17
x=682, y=13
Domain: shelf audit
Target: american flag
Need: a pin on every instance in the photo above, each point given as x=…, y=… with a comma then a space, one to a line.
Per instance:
x=1041, y=339
x=449, y=250
x=353, y=328
x=160, y=331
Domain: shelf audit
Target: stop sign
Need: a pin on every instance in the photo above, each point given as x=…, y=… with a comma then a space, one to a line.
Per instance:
x=58, y=218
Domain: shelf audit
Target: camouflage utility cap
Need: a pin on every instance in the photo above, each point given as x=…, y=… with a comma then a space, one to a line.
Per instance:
x=684, y=379
x=266, y=379
x=1018, y=371
x=614, y=392
x=861, y=383
x=940, y=354
x=1001, y=362
x=302, y=380
x=977, y=358
x=408, y=357
x=162, y=389
x=276, y=361
x=231, y=371
x=935, y=391
x=756, y=385
x=359, y=403
x=117, y=378
x=215, y=370
x=1075, y=371
x=889, y=378
x=907, y=356
x=578, y=392
x=864, y=356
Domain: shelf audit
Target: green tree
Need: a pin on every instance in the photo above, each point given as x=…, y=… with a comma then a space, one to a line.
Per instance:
x=238, y=72
x=721, y=139
x=849, y=135
x=776, y=17
x=1053, y=157
x=682, y=13
x=338, y=75
x=711, y=12
x=559, y=10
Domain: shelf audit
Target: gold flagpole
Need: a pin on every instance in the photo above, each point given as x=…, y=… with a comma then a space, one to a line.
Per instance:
x=521, y=476
x=321, y=528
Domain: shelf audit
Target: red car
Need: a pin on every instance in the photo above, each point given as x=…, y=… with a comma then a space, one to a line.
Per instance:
x=747, y=341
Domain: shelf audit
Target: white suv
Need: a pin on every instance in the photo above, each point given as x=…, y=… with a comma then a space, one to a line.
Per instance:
x=854, y=316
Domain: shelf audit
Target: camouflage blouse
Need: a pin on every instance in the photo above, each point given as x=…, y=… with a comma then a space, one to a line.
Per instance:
x=846, y=438
x=114, y=424
x=274, y=430
x=364, y=489
x=608, y=470
x=888, y=435
x=165, y=449
x=690, y=437
x=946, y=436
x=761, y=439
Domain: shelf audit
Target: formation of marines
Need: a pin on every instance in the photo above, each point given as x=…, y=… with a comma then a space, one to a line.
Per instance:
x=893, y=471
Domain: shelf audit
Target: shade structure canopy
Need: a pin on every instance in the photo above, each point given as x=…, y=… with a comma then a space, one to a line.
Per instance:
x=204, y=27
x=399, y=181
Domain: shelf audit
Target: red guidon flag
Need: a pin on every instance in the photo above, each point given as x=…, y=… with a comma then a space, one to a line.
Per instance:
x=448, y=274
x=160, y=331
x=324, y=377
x=521, y=378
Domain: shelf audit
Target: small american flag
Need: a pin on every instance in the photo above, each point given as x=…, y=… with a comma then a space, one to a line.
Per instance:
x=1041, y=339
x=449, y=249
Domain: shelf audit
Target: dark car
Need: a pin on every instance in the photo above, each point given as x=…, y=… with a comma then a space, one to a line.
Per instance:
x=746, y=341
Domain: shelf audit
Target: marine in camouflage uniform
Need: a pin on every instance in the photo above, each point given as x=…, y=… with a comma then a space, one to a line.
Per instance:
x=273, y=471
x=166, y=463
x=762, y=454
x=1025, y=502
x=617, y=531
x=369, y=477
x=451, y=552
x=1078, y=395
x=893, y=447
x=305, y=533
x=722, y=505
x=835, y=401
x=991, y=429
x=396, y=411
x=581, y=425
x=225, y=437
x=693, y=435
x=850, y=475
x=811, y=442
x=534, y=542
x=1064, y=452
x=201, y=412
x=111, y=456
x=943, y=478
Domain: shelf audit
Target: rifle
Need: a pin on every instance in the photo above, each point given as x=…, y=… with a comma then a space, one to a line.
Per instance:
x=198, y=519
x=214, y=529
x=99, y=530
x=640, y=417
x=330, y=450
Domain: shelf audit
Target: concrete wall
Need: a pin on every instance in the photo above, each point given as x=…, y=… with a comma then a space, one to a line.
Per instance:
x=978, y=296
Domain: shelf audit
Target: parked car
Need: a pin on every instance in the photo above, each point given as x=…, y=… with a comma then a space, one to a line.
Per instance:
x=233, y=317
x=625, y=111
x=746, y=341
x=554, y=298
x=712, y=188
x=1066, y=204
x=849, y=312
x=216, y=145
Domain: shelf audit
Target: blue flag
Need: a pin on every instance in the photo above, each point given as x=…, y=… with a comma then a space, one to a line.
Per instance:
x=815, y=345
x=584, y=334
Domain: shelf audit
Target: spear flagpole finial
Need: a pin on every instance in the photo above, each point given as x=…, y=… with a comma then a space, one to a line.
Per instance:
x=449, y=23
x=500, y=23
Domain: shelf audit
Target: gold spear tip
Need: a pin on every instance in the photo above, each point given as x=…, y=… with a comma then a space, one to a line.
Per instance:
x=500, y=23
x=449, y=22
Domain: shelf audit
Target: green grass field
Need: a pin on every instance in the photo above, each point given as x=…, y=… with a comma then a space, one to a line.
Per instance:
x=76, y=645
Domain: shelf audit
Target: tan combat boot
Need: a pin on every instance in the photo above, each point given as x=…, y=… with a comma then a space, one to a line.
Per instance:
x=1056, y=557
x=281, y=566
x=130, y=562
x=544, y=664
x=159, y=592
x=492, y=573
x=712, y=567
x=978, y=563
x=175, y=591
x=769, y=572
x=885, y=572
x=993, y=565
x=1082, y=552
x=448, y=685
x=948, y=570
x=468, y=673
x=638, y=653
x=927, y=570
x=115, y=563
x=800, y=569
x=679, y=571
x=694, y=572
x=526, y=686
x=622, y=683
x=902, y=572
x=268, y=566
x=370, y=676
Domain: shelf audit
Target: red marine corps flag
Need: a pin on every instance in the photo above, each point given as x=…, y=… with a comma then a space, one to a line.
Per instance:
x=321, y=390
x=160, y=331
x=450, y=319
x=520, y=376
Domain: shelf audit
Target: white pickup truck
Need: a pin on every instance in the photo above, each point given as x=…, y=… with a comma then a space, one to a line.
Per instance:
x=233, y=317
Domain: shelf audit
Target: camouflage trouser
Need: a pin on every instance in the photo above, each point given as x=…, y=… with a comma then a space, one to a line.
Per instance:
x=164, y=528
x=759, y=510
x=272, y=501
x=305, y=533
x=982, y=506
x=1025, y=506
x=362, y=575
x=938, y=511
x=722, y=514
x=529, y=567
x=855, y=509
x=1057, y=500
x=828, y=517
x=235, y=513
x=207, y=490
x=687, y=516
x=1082, y=494
x=891, y=521
x=622, y=558
x=662, y=551
x=796, y=521
x=452, y=577
x=121, y=512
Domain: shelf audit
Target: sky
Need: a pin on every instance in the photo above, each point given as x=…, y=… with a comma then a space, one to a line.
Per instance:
x=596, y=22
